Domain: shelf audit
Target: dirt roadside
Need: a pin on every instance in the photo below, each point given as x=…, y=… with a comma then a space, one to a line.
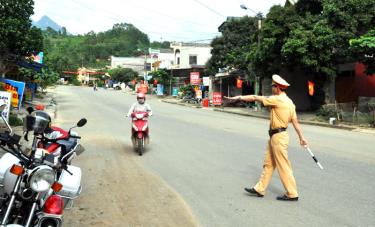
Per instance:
x=118, y=191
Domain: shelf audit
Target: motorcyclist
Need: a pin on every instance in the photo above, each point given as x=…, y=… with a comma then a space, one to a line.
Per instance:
x=140, y=105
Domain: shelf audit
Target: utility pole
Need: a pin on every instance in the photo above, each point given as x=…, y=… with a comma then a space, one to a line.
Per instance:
x=257, y=77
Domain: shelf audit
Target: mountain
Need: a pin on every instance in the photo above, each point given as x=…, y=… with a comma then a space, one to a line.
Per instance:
x=45, y=22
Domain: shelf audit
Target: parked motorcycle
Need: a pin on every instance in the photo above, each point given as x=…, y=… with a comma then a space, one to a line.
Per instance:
x=34, y=188
x=140, y=132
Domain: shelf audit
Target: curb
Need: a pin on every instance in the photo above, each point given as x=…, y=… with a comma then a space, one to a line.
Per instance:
x=344, y=127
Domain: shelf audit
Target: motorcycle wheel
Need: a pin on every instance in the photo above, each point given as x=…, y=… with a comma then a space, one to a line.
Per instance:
x=140, y=146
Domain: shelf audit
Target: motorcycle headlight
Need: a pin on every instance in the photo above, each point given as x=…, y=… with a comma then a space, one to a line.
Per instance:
x=42, y=178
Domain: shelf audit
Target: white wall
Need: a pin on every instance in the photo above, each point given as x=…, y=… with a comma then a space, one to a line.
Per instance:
x=203, y=53
x=135, y=63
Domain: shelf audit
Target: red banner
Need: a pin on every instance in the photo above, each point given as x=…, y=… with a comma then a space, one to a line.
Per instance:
x=216, y=99
x=194, y=78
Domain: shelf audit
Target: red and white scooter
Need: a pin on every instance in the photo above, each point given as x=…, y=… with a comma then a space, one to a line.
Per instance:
x=140, y=133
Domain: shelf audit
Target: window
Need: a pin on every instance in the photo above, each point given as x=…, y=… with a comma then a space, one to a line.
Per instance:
x=192, y=59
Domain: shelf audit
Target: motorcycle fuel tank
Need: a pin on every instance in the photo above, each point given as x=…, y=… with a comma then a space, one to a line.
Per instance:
x=6, y=178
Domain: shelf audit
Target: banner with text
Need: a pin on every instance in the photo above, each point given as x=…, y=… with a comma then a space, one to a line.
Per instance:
x=216, y=99
x=194, y=78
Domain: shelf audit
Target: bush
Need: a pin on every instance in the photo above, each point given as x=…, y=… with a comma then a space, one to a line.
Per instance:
x=75, y=82
x=14, y=120
x=327, y=112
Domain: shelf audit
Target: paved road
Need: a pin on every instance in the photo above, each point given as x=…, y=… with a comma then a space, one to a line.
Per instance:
x=209, y=157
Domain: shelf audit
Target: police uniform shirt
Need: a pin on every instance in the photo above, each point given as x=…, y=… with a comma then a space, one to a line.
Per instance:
x=283, y=110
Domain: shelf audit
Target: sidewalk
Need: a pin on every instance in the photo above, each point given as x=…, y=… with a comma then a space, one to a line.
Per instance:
x=307, y=118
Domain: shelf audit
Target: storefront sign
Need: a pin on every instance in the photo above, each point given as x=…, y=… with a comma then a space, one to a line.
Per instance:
x=5, y=98
x=216, y=99
x=206, y=81
x=194, y=78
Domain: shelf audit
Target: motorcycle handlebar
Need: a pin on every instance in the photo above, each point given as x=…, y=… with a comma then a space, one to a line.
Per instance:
x=14, y=147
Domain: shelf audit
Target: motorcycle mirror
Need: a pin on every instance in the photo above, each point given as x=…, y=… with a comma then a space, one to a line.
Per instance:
x=81, y=122
x=30, y=109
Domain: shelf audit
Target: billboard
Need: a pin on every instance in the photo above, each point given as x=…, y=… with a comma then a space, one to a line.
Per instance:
x=16, y=88
x=5, y=98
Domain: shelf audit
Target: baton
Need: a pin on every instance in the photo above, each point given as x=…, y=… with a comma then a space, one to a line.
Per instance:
x=313, y=156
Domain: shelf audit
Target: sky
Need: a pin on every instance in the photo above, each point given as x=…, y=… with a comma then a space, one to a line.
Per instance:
x=161, y=20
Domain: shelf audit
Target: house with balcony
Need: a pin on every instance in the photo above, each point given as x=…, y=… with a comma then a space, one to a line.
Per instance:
x=187, y=58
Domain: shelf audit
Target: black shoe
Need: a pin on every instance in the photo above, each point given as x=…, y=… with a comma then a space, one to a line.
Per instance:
x=253, y=192
x=286, y=198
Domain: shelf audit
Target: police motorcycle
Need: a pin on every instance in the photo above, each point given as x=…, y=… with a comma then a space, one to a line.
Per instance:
x=34, y=187
x=65, y=146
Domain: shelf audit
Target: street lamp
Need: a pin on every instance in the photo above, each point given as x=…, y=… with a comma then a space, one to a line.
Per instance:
x=259, y=15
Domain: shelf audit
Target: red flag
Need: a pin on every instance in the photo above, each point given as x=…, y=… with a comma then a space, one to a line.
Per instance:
x=239, y=83
x=311, y=85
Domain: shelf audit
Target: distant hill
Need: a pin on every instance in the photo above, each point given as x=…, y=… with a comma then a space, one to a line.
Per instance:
x=45, y=22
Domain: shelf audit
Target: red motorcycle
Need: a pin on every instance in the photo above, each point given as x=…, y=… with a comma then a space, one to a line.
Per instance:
x=139, y=134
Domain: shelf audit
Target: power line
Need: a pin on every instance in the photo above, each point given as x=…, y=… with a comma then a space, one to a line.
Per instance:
x=209, y=8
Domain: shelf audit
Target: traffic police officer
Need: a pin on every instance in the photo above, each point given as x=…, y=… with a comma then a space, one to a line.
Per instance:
x=283, y=111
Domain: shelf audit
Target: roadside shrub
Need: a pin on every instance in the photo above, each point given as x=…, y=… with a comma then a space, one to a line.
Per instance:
x=100, y=83
x=75, y=82
x=327, y=112
x=185, y=89
x=14, y=120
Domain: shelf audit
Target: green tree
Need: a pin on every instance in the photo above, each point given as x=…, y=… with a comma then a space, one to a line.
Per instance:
x=18, y=38
x=123, y=74
x=162, y=76
x=267, y=59
x=348, y=19
x=46, y=78
x=68, y=52
x=232, y=48
x=364, y=50
x=160, y=45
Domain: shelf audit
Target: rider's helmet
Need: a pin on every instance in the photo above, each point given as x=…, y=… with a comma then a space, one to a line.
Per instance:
x=42, y=121
x=141, y=97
